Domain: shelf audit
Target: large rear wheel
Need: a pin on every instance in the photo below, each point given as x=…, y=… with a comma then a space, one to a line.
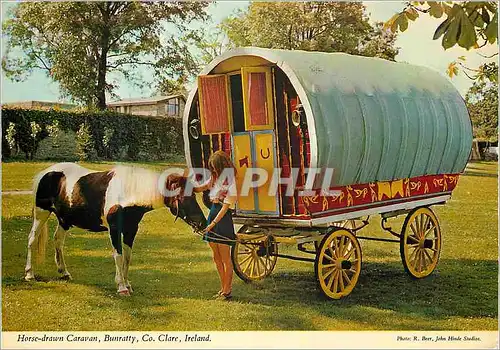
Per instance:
x=420, y=243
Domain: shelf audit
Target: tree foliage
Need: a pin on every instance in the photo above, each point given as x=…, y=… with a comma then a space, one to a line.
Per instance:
x=467, y=24
x=311, y=26
x=79, y=43
x=482, y=102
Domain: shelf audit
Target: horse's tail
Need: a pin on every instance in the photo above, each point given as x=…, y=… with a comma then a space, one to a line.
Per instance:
x=43, y=235
x=43, y=238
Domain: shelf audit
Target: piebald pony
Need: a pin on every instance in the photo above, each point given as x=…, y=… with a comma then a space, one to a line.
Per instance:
x=113, y=201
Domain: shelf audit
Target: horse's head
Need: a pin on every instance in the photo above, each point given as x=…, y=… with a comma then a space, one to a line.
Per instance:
x=184, y=206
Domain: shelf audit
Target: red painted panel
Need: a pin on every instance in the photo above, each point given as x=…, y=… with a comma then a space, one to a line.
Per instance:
x=257, y=98
x=215, y=117
x=380, y=193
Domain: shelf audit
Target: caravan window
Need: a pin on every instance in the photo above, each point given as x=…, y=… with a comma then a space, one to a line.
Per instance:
x=257, y=98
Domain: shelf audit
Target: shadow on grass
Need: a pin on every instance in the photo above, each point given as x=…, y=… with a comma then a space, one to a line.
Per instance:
x=479, y=173
x=465, y=288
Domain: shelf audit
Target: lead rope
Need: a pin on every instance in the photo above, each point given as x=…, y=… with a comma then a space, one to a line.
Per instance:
x=225, y=239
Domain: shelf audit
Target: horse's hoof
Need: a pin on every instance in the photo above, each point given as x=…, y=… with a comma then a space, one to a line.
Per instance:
x=66, y=277
x=124, y=293
x=29, y=278
x=130, y=289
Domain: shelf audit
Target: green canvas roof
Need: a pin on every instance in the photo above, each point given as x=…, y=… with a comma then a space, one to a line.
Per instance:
x=372, y=119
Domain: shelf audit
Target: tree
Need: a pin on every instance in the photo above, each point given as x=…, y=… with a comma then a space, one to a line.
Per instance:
x=207, y=47
x=311, y=26
x=79, y=43
x=469, y=24
x=482, y=103
x=173, y=86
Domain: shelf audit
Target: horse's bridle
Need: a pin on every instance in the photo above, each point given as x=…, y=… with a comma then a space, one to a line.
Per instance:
x=188, y=221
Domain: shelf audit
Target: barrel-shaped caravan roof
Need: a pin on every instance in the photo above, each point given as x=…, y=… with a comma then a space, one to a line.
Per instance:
x=371, y=119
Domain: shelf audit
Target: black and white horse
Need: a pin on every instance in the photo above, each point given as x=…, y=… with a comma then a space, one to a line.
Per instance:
x=97, y=201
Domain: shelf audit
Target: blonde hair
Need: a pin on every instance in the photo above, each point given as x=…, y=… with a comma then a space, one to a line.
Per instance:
x=218, y=162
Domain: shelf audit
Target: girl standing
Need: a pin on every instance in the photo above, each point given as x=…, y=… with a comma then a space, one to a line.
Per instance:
x=219, y=232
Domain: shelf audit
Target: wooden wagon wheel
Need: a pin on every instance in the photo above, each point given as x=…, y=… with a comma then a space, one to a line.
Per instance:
x=254, y=259
x=420, y=243
x=338, y=263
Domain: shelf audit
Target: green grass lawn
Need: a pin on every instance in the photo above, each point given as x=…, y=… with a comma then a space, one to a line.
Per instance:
x=174, y=277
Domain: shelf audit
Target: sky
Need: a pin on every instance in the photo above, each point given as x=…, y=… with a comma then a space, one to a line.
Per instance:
x=416, y=47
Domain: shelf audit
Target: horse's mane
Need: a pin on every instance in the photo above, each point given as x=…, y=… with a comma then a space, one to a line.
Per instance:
x=138, y=185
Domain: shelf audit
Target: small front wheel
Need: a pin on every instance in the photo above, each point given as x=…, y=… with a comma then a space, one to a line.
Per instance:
x=338, y=263
x=420, y=243
x=254, y=259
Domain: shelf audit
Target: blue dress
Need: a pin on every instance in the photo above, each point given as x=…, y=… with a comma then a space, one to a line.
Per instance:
x=223, y=231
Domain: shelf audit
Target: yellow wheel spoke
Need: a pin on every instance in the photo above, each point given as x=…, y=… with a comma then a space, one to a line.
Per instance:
x=412, y=254
x=421, y=255
x=249, y=263
x=328, y=273
x=430, y=258
x=424, y=260
x=263, y=264
x=327, y=266
x=252, y=267
x=414, y=229
x=333, y=254
x=346, y=277
x=341, y=279
x=245, y=259
x=348, y=247
x=426, y=233
x=426, y=222
x=353, y=270
x=244, y=253
x=421, y=224
x=343, y=245
x=331, y=281
x=416, y=259
x=336, y=247
x=349, y=253
x=417, y=225
x=247, y=266
x=413, y=238
x=257, y=267
x=335, y=282
x=331, y=258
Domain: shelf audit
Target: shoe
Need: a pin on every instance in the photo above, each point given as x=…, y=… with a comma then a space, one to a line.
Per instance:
x=225, y=297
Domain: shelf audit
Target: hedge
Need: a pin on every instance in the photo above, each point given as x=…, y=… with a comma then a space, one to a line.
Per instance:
x=110, y=135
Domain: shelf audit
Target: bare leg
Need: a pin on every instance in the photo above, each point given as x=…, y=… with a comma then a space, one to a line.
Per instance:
x=59, y=238
x=218, y=263
x=40, y=218
x=225, y=253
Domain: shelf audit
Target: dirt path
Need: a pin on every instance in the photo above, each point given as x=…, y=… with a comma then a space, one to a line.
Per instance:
x=16, y=192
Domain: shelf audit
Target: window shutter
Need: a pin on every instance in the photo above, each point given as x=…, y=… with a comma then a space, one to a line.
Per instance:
x=214, y=104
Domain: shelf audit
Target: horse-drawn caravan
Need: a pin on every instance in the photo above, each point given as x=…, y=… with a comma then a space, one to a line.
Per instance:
x=385, y=138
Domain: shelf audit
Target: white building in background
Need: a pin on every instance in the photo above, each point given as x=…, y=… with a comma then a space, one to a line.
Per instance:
x=159, y=106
